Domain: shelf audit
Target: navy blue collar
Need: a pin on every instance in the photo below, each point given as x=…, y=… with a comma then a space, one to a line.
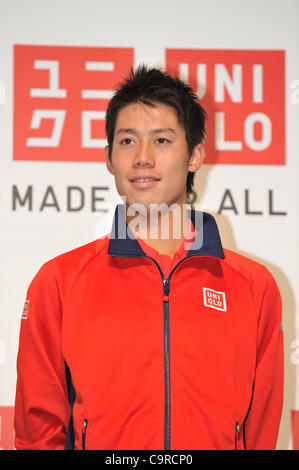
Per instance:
x=206, y=243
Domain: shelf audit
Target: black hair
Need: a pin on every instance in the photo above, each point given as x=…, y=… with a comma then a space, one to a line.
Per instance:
x=151, y=86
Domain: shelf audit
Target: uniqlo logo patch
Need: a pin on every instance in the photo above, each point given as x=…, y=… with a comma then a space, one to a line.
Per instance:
x=243, y=92
x=60, y=100
x=214, y=299
x=25, y=310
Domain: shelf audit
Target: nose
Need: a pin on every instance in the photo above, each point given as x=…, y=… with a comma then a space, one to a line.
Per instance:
x=144, y=156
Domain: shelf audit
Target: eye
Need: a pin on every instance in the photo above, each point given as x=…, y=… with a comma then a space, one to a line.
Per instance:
x=126, y=141
x=162, y=140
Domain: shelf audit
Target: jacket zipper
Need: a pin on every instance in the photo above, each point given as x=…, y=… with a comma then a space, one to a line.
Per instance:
x=166, y=356
x=166, y=363
x=166, y=287
x=84, y=427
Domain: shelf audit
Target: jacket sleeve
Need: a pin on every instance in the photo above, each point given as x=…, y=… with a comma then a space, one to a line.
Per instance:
x=262, y=424
x=41, y=404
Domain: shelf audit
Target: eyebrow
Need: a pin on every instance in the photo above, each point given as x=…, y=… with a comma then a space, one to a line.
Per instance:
x=152, y=131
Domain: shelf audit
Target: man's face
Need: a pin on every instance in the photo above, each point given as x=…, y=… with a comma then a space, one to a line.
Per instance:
x=150, y=159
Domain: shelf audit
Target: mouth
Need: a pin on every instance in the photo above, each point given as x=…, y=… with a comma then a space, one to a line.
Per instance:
x=144, y=181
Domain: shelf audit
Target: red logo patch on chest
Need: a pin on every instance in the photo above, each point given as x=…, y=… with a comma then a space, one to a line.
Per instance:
x=214, y=299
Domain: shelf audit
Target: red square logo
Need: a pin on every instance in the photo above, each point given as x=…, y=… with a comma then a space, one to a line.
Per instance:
x=60, y=100
x=214, y=299
x=243, y=92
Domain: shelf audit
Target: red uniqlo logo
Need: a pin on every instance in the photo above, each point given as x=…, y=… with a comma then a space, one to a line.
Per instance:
x=214, y=299
x=243, y=93
x=60, y=100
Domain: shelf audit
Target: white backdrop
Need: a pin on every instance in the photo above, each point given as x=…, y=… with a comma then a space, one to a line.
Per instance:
x=28, y=238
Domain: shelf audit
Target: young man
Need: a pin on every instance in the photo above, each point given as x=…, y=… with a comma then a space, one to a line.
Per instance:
x=144, y=341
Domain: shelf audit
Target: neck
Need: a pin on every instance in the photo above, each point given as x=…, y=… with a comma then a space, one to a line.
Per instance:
x=164, y=230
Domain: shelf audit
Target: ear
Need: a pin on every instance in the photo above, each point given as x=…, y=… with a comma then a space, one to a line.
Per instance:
x=108, y=160
x=196, y=158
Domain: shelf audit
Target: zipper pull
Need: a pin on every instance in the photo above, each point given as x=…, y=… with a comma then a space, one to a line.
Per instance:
x=165, y=290
x=84, y=426
x=166, y=286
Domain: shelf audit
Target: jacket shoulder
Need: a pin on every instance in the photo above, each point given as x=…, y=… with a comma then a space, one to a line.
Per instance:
x=81, y=254
x=256, y=273
x=64, y=268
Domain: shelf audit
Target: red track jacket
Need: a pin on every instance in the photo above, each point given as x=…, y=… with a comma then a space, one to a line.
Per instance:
x=115, y=355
